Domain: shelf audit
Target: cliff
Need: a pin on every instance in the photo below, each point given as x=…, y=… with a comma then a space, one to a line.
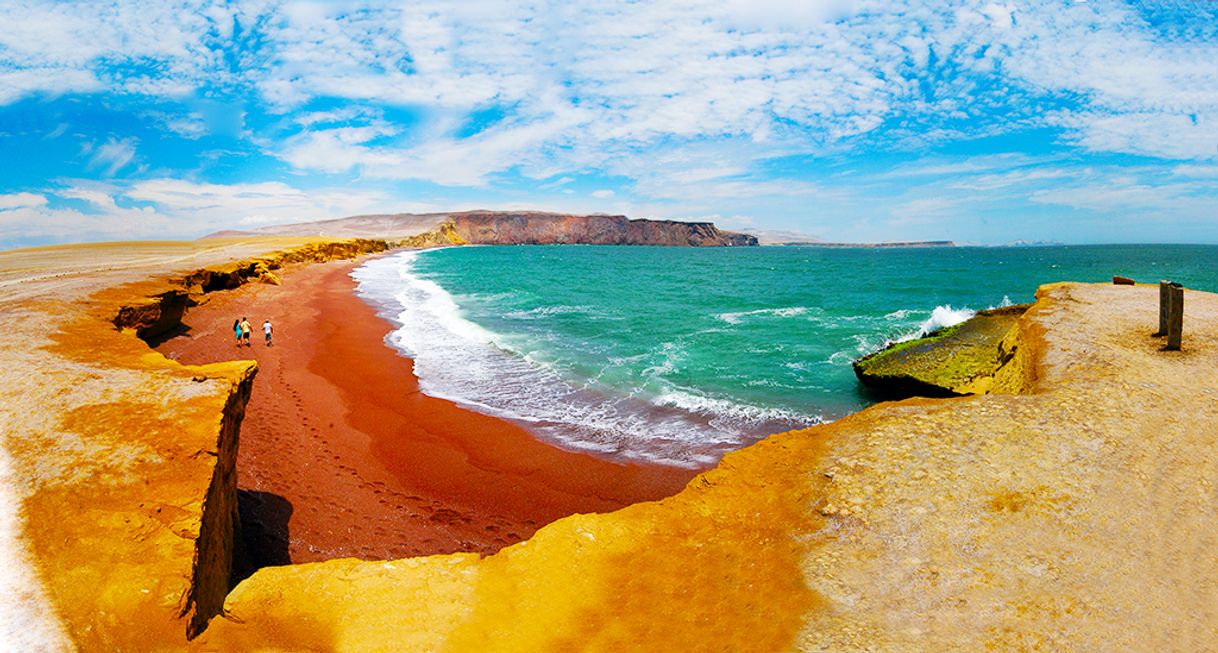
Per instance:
x=514, y=228
x=958, y=360
x=498, y=228
x=120, y=464
x=1072, y=511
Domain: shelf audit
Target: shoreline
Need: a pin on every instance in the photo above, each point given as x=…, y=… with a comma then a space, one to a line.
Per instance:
x=343, y=456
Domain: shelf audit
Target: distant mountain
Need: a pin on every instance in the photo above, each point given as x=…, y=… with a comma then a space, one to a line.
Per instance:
x=510, y=228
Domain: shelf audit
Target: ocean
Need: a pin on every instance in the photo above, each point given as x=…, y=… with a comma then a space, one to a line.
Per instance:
x=678, y=355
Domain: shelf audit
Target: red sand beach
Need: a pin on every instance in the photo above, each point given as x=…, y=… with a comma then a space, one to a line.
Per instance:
x=342, y=456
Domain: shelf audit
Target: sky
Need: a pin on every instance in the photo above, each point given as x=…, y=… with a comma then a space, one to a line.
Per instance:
x=847, y=121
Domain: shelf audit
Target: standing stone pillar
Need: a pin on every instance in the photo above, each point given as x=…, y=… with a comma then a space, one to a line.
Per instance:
x=1175, y=318
x=1164, y=303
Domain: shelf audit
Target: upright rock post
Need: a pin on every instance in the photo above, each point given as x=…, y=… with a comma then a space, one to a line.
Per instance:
x=1164, y=303
x=1175, y=318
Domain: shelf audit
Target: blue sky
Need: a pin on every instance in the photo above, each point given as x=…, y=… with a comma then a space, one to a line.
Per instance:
x=980, y=122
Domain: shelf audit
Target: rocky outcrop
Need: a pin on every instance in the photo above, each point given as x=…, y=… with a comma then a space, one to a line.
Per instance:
x=514, y=228
x=124, y=461
x=156, y=314
x=499, y=228
x=958, y=360
x=443, y=235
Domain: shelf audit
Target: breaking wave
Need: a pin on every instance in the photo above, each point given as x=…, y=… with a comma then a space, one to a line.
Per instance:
x=657, y=421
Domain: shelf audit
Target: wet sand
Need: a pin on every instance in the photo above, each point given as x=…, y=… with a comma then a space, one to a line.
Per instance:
x=342, y=456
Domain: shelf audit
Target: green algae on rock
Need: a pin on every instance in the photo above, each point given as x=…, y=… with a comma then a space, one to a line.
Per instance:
x=950, y=362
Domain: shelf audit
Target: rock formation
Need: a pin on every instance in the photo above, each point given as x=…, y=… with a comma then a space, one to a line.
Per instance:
x=958, y=360
x=122, y=460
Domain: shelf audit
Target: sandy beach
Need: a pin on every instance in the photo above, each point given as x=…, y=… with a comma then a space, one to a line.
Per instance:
x=342, y=456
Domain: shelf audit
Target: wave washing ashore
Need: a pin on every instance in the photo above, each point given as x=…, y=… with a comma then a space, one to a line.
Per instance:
x=675, y=355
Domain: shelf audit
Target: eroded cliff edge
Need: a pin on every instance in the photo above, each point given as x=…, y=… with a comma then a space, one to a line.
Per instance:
x=122, y=461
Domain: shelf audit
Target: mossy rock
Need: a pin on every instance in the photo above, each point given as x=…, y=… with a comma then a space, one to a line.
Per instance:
x=951, y=362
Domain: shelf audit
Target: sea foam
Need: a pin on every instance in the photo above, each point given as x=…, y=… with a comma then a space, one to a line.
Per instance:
x=499, y=374
x=738, y=317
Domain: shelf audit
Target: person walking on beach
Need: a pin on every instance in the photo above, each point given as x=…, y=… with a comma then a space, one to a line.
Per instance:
x=237, y=330
x=246, y=327
x=266, y=330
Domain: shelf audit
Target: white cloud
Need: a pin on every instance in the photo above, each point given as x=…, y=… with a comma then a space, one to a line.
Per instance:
x=686, y=104
x=175, y=208
x=602, y=194
x=43, y=223
x=201, y=205
x=112, y=156
x=1176, y=136
x=1196, y=171
x=1126, y=196
x=158, y=48
x=21, y=201
x=626, y=77
x=100, y=199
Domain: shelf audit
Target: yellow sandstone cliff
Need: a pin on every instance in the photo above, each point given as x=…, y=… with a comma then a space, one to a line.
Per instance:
x=1072, y=509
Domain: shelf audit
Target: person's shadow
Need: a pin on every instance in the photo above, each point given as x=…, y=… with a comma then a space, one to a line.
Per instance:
x=262, y=533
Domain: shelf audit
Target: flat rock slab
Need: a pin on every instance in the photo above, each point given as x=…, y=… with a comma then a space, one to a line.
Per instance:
x=951, y=362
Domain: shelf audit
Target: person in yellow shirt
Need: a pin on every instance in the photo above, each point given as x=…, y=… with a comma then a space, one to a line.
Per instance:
x=245, y=331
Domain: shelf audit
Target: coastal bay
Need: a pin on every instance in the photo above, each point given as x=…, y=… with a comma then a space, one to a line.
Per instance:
x=342, y=456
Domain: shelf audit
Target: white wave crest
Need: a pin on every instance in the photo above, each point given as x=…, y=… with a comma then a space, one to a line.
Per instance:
x=737, y=318
x=456, y=359
x=727, y=413
x=546, y=311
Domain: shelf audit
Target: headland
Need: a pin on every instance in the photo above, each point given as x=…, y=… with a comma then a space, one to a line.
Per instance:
x=342, y=456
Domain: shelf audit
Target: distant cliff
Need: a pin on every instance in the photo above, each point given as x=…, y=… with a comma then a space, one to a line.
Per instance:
x=498, y=228
x=513, y=228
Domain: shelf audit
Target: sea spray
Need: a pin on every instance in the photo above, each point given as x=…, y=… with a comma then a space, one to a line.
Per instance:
x=944, y=316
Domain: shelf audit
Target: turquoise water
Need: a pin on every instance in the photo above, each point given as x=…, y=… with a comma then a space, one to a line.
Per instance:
x=680, y=354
